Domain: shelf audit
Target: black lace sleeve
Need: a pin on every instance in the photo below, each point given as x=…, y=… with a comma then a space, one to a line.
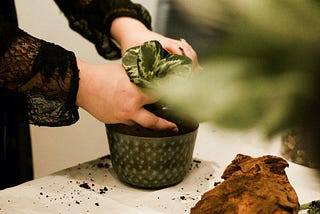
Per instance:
x=93, y=18
x=44, y=72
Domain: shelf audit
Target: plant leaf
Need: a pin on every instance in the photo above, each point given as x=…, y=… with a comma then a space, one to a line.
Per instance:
x=130, y=63
x=149, y=63
x=149, y=56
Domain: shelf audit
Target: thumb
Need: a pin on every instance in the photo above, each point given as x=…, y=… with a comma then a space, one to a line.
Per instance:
x=149, y=120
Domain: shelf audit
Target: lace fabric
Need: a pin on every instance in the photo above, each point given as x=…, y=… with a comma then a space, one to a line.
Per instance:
x=93, y=18
x=46, y=73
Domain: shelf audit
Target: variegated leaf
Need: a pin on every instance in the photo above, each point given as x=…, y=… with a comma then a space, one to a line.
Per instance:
x=150, y=62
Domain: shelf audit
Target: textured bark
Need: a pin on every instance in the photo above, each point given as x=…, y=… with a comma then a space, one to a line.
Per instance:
x=251, y=185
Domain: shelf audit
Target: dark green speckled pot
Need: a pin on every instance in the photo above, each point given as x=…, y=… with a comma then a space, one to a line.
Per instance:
x=155, y=159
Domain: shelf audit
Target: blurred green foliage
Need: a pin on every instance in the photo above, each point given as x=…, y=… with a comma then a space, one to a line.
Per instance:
x=265, y=72
x=312, y=207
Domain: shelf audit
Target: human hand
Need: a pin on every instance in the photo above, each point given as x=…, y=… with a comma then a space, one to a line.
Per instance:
x=106, y=92
x=129, y=32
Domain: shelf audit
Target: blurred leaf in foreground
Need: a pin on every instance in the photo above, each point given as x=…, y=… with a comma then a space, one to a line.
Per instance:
x=265, y=72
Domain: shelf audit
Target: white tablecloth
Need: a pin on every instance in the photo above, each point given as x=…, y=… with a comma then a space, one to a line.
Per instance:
x=62, y=192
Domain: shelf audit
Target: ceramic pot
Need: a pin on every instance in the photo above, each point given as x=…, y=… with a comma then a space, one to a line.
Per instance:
x=146, y=158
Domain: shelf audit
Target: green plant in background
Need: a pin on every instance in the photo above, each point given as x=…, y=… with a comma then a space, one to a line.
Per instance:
x=147, y=65
x=265, y=72
x=313, y=207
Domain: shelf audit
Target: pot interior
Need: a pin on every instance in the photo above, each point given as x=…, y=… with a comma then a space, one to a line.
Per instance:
x=185, y=124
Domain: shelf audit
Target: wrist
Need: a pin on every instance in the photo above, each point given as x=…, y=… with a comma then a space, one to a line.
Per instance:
x=126, y=31
x=82, y=66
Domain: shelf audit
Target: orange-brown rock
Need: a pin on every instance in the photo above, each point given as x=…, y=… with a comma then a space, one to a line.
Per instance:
x=251, y=185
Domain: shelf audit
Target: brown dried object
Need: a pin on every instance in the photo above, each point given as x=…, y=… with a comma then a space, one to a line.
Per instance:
x=251, y=185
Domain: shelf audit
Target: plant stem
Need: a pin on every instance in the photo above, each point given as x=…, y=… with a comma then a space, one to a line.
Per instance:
x=305, y=206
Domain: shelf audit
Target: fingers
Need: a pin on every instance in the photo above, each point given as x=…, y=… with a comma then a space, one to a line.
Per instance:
x=150, y=120
x=182, y=47
x=188, y=51
x=174, y=47
x=146, y=97
x=147, y=119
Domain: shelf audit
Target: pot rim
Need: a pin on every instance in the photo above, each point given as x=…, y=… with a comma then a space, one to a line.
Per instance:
x=193, y=130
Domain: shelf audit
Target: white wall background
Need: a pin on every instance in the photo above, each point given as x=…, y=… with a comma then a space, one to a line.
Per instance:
x=58, y=148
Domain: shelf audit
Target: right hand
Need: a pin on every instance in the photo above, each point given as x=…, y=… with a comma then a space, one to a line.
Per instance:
x=130, y=32
x=105, y=91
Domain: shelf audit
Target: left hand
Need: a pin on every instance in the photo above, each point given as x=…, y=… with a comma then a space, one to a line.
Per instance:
x=129, y=32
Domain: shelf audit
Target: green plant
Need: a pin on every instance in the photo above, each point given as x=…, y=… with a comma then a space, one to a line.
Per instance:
x=147, y=65
x=263, y=74
x=313, y=207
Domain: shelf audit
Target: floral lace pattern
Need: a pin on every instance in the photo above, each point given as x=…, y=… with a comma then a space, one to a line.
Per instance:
x=93, y=18
x=46, y=73
x=17, y=62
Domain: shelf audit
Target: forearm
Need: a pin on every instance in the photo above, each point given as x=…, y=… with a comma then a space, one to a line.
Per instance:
x=126, y=31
